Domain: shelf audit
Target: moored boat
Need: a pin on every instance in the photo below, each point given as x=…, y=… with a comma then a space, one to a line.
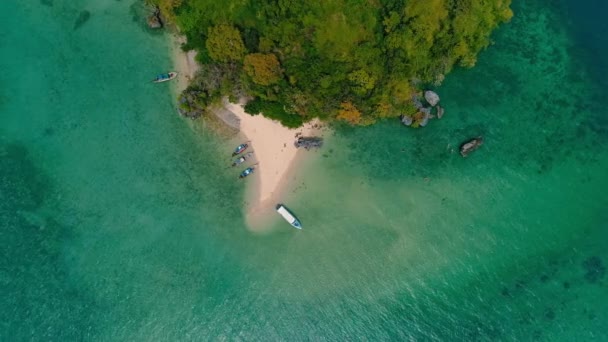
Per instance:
x=242, y=159
x=165, y=77
x=239, y=149
x=247, y=172
x=470, y=146
x=288, y=216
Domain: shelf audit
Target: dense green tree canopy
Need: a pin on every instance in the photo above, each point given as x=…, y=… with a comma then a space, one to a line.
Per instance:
x=355, y=60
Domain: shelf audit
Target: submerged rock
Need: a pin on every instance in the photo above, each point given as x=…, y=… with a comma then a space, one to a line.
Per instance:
x=440, y=112
x=83, y=17
x=431, y=97
x=594, y=269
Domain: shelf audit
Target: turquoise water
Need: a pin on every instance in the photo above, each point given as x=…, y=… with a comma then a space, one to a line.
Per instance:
x=119, y=220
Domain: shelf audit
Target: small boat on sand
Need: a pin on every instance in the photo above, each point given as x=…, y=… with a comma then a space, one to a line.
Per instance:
x=288, y=216
x=242, y=159
x=470, y=146
x=247, y=172
x=239, y=149
x=165, y=77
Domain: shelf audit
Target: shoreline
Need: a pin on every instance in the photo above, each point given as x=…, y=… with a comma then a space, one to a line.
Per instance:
x=276, y=156
x=184, y=63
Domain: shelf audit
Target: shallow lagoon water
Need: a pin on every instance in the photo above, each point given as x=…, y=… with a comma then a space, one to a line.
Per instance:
x=119, y=220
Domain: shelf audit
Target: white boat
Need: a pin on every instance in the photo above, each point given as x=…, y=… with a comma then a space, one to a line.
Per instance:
x=288, y=216
x=165, y=77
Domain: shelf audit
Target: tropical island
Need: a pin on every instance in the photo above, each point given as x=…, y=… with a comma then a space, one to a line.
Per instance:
x=300, y=64
x=350, y=60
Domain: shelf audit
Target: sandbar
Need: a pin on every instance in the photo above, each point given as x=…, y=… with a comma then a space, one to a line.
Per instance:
x=275, y=156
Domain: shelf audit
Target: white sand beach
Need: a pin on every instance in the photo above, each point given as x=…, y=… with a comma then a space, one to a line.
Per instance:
x=275, y=154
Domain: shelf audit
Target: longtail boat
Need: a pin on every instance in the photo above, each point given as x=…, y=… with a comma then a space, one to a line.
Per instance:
x=242, y=159
x=470, y=146
x=239, y=149
x=165, y=77
x=247, y=172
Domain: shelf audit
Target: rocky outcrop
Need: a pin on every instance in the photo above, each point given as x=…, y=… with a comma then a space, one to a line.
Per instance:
x=154, y=21
x=425, y=109
x=309, y=142
x=188, y=105
x=431, y=97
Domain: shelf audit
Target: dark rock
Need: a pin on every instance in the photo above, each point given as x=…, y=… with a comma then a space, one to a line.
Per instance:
x=550, y=314
x=566, y=285
x=154, y=21
x=47, y=2
x=308, y=142
x=83, y=17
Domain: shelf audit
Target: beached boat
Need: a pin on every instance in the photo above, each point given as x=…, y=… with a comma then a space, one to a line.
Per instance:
x=247, y=172
x=242, y=159
x=239, y=149
x=288, y=216
x=470, y=146
x=165, y=77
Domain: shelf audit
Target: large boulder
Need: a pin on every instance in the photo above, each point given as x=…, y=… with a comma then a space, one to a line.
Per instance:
x=406, y=120
x=431, y=97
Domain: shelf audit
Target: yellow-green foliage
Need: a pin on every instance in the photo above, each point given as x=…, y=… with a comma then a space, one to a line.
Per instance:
x=224, y=43
x=350, y=59
x=264, y=69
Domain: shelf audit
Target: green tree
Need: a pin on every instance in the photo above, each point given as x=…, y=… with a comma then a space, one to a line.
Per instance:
x=224, y=43
x=350, y=60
